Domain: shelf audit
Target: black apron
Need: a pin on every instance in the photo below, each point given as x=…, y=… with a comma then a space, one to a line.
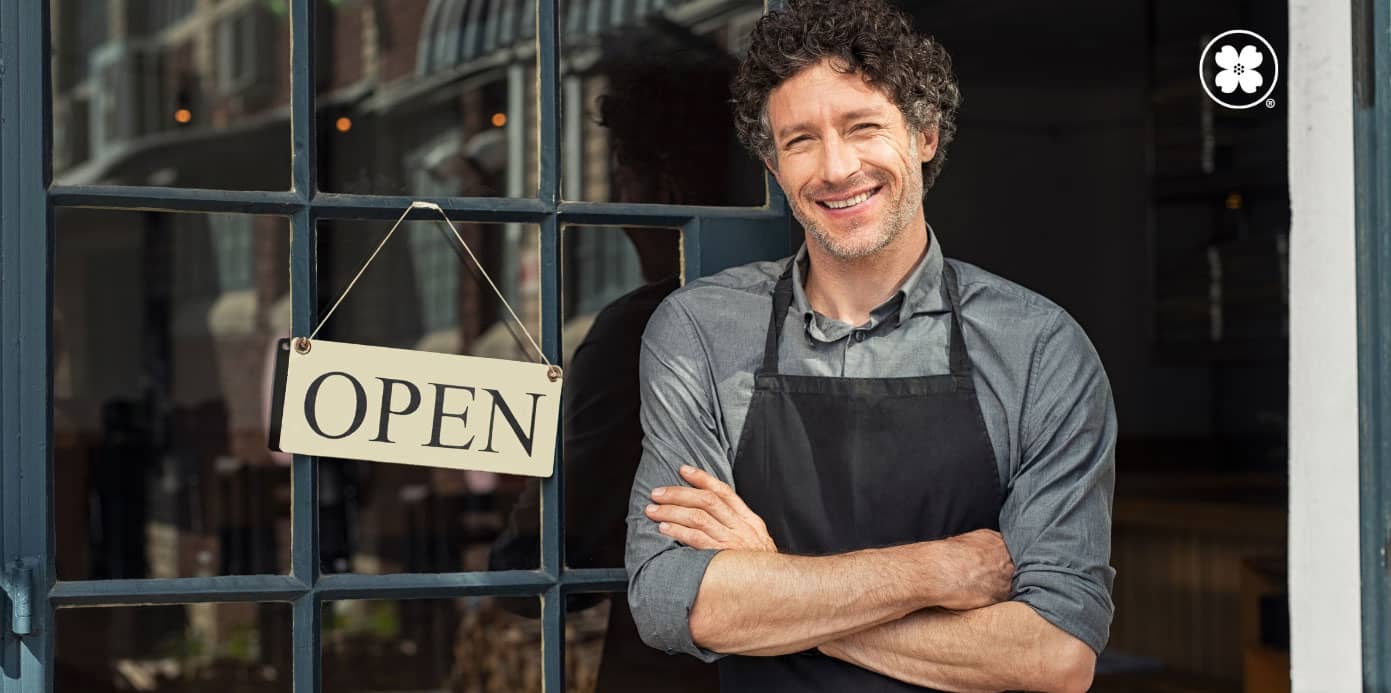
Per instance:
x=839, y=464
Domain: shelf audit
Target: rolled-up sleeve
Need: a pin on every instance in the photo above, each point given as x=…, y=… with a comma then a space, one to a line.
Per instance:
x=1056, y=517
x=680, y=427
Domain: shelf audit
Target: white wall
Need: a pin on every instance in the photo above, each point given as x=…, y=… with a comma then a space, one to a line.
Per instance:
x=1325, y=594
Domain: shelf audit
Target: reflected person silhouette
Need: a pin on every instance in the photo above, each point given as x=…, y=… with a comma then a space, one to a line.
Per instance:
x=671, y=141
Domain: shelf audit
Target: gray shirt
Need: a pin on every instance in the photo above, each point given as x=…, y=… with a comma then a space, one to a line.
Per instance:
x=1043, y=393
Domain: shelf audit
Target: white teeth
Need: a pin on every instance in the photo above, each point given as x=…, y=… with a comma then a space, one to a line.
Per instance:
x=842, y=204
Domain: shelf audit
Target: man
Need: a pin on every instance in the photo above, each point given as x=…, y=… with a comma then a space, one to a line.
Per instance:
x=868, y=468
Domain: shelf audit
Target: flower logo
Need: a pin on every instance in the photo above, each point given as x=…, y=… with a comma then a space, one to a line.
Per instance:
x=1254, y=70
x=1239, y=69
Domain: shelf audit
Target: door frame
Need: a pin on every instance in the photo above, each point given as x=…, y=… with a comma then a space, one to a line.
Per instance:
x=1371, y=66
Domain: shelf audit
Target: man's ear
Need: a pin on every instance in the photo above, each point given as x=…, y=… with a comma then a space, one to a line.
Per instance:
x=772, y=166
x=927, y=144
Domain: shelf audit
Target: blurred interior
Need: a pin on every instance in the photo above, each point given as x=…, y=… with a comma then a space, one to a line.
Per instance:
x=1089, y=166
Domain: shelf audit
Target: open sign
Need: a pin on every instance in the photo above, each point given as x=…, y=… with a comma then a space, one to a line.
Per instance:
x=334, y=399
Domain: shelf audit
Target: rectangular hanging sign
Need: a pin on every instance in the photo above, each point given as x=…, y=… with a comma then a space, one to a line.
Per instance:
x=334, y=399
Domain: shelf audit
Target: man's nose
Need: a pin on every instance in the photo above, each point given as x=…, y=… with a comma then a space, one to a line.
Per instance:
x=839, y=160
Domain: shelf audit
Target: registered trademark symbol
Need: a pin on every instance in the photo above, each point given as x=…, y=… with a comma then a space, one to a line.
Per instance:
x=1270, y=103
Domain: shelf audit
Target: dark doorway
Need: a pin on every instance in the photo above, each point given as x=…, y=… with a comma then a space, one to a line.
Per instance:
x=1090, y=166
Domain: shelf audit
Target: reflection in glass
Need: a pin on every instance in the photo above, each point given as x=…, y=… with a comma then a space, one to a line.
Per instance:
x=646, y=115
x=418, y=294
x=585, y=628
x=209, y=648
x=171, y=93
x=470, y=644
x=613, y=280
x=427, y=97
x=163, y=334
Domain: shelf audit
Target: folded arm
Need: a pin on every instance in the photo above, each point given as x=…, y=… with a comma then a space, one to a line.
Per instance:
x=1005, y=646
x=754, y=601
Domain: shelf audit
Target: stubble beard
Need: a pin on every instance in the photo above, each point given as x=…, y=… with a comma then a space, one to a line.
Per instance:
x=891, y=226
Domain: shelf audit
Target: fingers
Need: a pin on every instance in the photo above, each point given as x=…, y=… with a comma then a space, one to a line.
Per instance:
x=704, y=480
x=711, y=507
x=700, y=499
x=693, y=538
x=694, y=518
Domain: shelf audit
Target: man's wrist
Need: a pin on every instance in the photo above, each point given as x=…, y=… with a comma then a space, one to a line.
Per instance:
x=935, y=577
x=967, y=571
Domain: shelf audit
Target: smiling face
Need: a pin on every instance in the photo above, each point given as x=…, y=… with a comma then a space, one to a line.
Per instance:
x=848, y=161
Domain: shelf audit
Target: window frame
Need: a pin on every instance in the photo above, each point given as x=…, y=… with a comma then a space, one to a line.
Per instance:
x=713, y=237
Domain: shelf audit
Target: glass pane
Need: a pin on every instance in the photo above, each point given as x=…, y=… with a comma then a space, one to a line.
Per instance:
x=171, y=92
x=646, y=102
x=585, y=627
x=390, y=518
x=209, y=648
x=604, y=653
x=164, y=327
x=612, y=279
x=473, y=644
x=427, y=98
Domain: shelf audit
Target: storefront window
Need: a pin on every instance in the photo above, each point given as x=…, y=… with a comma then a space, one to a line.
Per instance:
x=614, y=279
x=210, y=648
x=181, y=255
x=422, y=97
x=646, y=103
x=418, y=294
x=163, y=333
x=171, y=93
x=472, y=644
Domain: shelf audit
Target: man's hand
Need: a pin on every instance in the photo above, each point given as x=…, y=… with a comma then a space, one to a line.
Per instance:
x=708, y=515
x=977, y=569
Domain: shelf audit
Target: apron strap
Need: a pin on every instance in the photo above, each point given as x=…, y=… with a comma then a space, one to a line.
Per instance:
x=782, y=300
x=960, y=362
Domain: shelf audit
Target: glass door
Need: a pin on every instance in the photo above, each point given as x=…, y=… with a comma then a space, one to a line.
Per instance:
x=186, y=181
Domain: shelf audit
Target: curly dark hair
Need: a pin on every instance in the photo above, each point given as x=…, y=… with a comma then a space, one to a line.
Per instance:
x=866, y=37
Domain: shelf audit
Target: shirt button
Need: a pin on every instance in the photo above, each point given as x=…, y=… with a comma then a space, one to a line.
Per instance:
x=859, y=336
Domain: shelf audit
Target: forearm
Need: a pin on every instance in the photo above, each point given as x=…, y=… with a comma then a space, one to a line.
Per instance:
x=764, y=604
x=1007, y=646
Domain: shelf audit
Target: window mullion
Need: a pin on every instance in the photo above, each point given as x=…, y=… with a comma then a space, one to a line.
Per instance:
x=304, y=533
x=215, y=588
x=548, y=52
x=553, y=488
x=161, y=199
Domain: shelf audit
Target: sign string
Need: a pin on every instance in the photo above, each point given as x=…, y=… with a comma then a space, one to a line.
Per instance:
x=418, y=204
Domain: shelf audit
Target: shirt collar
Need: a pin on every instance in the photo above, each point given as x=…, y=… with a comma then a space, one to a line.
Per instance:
x=921, y=293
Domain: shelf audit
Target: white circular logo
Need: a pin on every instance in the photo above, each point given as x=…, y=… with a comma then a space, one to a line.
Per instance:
x=1242, y=68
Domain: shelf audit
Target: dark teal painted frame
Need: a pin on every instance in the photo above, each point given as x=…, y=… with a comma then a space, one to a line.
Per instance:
x=1371, y=33
x=713, y=237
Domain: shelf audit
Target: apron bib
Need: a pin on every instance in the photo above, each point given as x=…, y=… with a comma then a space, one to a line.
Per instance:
x=839, y=464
